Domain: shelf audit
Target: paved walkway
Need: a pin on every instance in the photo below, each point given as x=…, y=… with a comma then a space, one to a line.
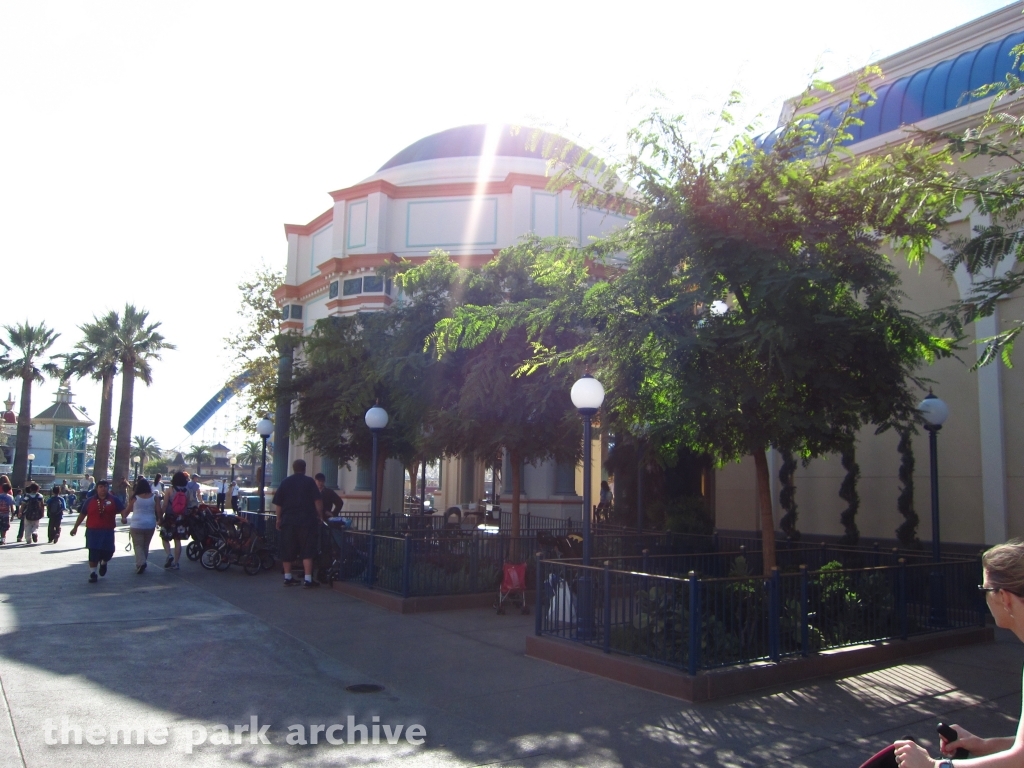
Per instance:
x=192, y=649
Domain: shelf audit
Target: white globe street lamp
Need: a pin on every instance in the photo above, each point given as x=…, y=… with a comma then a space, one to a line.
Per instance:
x=265, y=428
x=935, y=412
x=587, y=395
x=376, y=420
x=31, y=458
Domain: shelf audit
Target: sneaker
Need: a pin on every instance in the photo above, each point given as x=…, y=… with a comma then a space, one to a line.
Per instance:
x=175, y=567
x=93, y=578
x=103, y=568
x=142, y=568
x=35, y=538
x=170, y=561
x=310, y=584
x=291, y=582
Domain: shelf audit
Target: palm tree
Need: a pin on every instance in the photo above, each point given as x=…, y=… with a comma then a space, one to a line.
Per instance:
x=136, y=344
x=30, y=342
x=95, y=357
x=199, y=454
x=144, y=449
x=251, y=453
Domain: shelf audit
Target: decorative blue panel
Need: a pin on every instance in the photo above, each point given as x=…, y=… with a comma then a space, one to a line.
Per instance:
x=352, y=287
x=958, y=84
x=984, y=70
x=913, y=97
x=285, y=311
x=332, y=292
x=373, y=284
x=296, y=311
x=892, y=106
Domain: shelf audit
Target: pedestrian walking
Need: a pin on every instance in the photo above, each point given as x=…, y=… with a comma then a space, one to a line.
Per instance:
x=299, y=508
x=100, y=515
x=144, y=509
x=222, y=493
x=194, y=491
x=55, y=507
x=32, y=508
x=7, y=508
x=234, y=497
x=172, y=522
x=17, y=513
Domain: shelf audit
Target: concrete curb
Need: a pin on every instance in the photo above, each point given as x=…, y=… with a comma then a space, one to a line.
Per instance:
x=423, y=604
x=731, y=681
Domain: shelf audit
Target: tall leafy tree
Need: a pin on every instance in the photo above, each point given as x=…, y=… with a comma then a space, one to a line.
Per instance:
x=96, y=357
x=23, y=350
x=502, y=403
x=199, y=455
x=253, y=343
x=136, y=344
x=758, y=309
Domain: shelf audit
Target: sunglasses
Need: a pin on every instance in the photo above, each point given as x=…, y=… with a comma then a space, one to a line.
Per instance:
x=983, y=588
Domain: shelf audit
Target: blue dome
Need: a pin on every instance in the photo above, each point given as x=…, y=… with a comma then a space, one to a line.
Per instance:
x=468, y=141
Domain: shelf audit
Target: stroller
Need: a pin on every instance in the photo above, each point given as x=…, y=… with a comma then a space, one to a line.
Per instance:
x=205, y=531
x=237, y=543
x=513, y=588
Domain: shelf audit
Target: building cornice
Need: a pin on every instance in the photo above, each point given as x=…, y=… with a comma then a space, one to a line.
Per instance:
x=970, y=36
x=449, y=189
x=320, y=221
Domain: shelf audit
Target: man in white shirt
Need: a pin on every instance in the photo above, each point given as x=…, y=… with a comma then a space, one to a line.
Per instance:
x=234, y=497
x=222, y=493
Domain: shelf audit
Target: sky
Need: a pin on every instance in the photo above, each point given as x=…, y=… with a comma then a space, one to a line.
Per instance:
x=152, y=152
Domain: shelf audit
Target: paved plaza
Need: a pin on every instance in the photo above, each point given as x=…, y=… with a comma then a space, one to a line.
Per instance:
x=193, y=649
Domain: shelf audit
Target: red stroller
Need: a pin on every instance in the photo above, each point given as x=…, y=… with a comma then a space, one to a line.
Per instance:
x=513, y=588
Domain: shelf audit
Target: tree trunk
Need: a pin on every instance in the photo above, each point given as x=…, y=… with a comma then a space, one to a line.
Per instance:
x=764, y=497
x=123, y=450
x=101, y=463
x=515, y=463
x=19, y=471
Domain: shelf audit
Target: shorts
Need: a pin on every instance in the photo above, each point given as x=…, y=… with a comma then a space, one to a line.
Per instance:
x=100, y=543
x=299, y=539
x=5, y=524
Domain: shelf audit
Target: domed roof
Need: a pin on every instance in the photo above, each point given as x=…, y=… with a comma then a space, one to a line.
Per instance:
x=469, y=141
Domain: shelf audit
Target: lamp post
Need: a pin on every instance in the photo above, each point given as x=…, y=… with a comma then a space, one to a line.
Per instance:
x=31, y=458
x=935, y=413
x=232, y=461
x=265, y=428
x=376, y=420
x=587, y=395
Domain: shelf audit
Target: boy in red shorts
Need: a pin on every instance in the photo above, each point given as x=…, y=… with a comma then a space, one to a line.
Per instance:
x=100, y=514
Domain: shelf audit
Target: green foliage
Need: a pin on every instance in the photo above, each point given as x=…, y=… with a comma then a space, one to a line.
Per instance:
x=689, y=514
x=253, y=344
x=993, y=254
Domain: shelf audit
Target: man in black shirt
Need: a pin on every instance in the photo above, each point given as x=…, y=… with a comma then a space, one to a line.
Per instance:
x=331, y=500
x=299, y=508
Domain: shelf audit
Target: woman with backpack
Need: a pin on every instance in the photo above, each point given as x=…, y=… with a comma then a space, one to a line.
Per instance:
x=145, y=509
x=173, y=521
x=32, y=508
x=7, y=507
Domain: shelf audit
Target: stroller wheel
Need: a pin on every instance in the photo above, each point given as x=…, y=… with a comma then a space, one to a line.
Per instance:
x=193, y=551
x=266, y=559
x=210, y=559
x=224, y=563
x=250, y=563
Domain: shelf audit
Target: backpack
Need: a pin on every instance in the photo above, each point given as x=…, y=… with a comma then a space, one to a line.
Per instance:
x=55, y=506
x=179, y=504
x=34, y=508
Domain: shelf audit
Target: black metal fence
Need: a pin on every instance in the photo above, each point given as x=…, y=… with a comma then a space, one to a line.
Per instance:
x=417, y=564
x=702, y=622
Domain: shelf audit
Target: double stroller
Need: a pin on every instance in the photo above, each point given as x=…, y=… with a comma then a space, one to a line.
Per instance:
x=220, y=541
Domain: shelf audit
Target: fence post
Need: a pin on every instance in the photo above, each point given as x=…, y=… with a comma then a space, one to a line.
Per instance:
x=369, y=565
x=406, y=557
x=805, y=615
x=902, y=598
x=474, y=560
x=714, y=540
x=341, y=555
x=774, y=613
x=647, y=561
x=539, y=597
x=607, y=608
x=695, y=623
x=527, y=521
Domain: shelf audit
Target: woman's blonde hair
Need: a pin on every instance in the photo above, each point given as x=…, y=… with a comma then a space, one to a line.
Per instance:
x=1004, y=564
